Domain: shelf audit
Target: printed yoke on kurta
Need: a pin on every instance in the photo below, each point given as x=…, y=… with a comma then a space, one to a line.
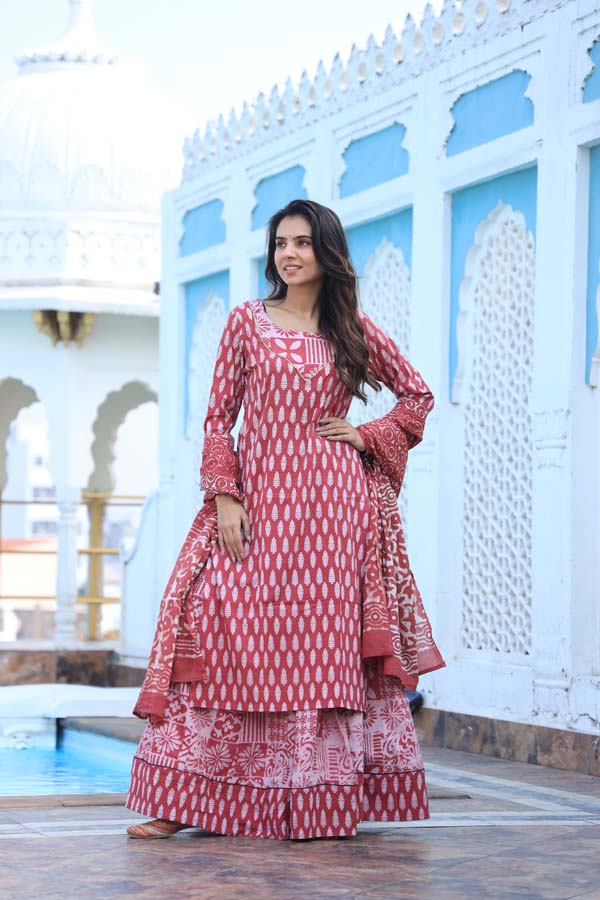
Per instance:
x=267, y=691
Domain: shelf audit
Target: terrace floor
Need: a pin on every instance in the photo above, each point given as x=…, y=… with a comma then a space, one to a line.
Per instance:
x=498, y=830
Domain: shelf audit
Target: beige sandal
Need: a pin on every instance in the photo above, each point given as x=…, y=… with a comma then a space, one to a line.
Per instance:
x=156, y=828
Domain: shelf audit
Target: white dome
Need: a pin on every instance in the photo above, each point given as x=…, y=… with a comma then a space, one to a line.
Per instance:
x=82, y=135
x=87, y=139
x=78, y=127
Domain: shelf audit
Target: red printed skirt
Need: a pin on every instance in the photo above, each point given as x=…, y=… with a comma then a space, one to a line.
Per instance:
x=283, y=775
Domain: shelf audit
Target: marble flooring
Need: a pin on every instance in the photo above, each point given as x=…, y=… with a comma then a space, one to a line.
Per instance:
x=499, y=830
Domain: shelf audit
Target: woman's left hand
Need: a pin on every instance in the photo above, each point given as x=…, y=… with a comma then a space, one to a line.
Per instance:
x=340, y=430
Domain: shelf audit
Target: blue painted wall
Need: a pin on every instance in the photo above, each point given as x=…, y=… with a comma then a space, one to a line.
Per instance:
x=373, y=159
x=593, y=273
x=203, y=227
x=363, y=239
x=263, y=287
x=490, y=111
x=275, y=191
x=471, y=206
x=196, y=293
x=591, y=85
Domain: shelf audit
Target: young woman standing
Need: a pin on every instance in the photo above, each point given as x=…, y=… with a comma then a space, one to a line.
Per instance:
x=291, y=625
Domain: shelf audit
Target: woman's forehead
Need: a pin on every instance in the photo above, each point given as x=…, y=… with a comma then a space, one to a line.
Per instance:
x=294, y=226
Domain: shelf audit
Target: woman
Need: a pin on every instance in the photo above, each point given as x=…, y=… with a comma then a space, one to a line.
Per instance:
x=291, y=624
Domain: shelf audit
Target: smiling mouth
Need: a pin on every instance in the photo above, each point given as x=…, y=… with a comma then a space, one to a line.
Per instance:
x=291, y=268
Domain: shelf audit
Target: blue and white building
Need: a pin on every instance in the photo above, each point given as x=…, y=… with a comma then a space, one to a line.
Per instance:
x=463, y=156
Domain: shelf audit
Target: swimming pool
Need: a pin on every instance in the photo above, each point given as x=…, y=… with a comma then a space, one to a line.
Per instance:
x=83, y=763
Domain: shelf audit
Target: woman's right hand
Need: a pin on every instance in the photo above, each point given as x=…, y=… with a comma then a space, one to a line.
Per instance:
x=233, y=525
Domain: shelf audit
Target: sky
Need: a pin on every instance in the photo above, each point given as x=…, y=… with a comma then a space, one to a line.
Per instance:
x=212, y=54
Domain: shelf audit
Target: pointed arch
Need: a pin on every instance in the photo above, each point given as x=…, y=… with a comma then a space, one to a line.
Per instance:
x=493, y=383
x=385, y=297
x=15, y=395
x=110, y=416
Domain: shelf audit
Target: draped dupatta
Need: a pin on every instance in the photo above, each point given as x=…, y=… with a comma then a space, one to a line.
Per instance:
x=396, y=630
x=396, y=633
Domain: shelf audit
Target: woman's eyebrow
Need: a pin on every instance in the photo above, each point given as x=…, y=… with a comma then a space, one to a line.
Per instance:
x=281, y=237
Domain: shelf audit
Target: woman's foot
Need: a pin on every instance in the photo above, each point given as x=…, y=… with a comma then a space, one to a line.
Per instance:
x=156, y=828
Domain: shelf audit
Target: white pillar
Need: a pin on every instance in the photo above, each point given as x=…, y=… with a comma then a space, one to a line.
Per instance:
x=555, y=253
x=66, y=570
x=427, y=543
x=238, y=211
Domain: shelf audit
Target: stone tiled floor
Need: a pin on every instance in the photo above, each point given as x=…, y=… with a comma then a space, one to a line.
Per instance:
x=498, y=830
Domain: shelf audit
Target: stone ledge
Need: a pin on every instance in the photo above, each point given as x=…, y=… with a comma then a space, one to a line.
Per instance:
x=96, y=666
x=48, y=801
x=539, y=745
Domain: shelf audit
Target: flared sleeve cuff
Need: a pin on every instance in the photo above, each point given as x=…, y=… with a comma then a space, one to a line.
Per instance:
x=219, y=472
x=389, y=438
x=387, y=445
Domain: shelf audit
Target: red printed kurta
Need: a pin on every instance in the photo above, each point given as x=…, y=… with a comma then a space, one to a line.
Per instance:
x=281, y=630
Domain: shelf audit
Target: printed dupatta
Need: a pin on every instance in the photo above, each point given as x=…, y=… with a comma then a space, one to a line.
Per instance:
x=396, y=632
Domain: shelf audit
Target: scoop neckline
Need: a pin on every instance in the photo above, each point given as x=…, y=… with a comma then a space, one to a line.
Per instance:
x=263, y=311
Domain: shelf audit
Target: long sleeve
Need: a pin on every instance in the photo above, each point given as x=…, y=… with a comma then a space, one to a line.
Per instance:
x=390, y=437
x=219, y=470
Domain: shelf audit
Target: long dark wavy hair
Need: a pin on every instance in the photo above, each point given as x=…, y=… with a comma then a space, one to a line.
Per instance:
x=338, y=299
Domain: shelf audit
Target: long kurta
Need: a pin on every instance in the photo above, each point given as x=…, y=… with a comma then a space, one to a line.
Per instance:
x=283, y=713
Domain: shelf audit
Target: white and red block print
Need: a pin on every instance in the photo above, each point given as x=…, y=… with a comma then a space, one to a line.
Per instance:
x=266, y=719
x=300, y=774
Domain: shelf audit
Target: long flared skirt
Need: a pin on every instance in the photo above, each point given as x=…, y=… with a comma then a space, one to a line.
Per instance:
x=283, y=775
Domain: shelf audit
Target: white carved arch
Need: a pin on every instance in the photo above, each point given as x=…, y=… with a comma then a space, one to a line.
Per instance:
x=208, y=328
x=111, y=415
x=385, y=297
x=496, y=370
x=14, y=396
x=487, y=231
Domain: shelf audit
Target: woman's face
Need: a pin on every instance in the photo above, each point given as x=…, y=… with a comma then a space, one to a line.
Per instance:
x=294, y=255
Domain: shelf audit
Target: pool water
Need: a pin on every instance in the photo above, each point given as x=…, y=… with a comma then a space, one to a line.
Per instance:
x=84, y=763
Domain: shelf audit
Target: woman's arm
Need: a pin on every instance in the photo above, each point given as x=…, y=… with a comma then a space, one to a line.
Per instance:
x=390, y=437
x=219, y=470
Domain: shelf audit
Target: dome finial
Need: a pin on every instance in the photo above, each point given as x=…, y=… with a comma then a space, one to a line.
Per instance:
x=79, y=44
x=80, y=17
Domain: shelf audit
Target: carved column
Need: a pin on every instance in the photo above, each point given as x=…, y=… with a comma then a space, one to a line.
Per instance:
x=551, y=609
x=66, y=569
x=431, y=555
x=552, y=597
